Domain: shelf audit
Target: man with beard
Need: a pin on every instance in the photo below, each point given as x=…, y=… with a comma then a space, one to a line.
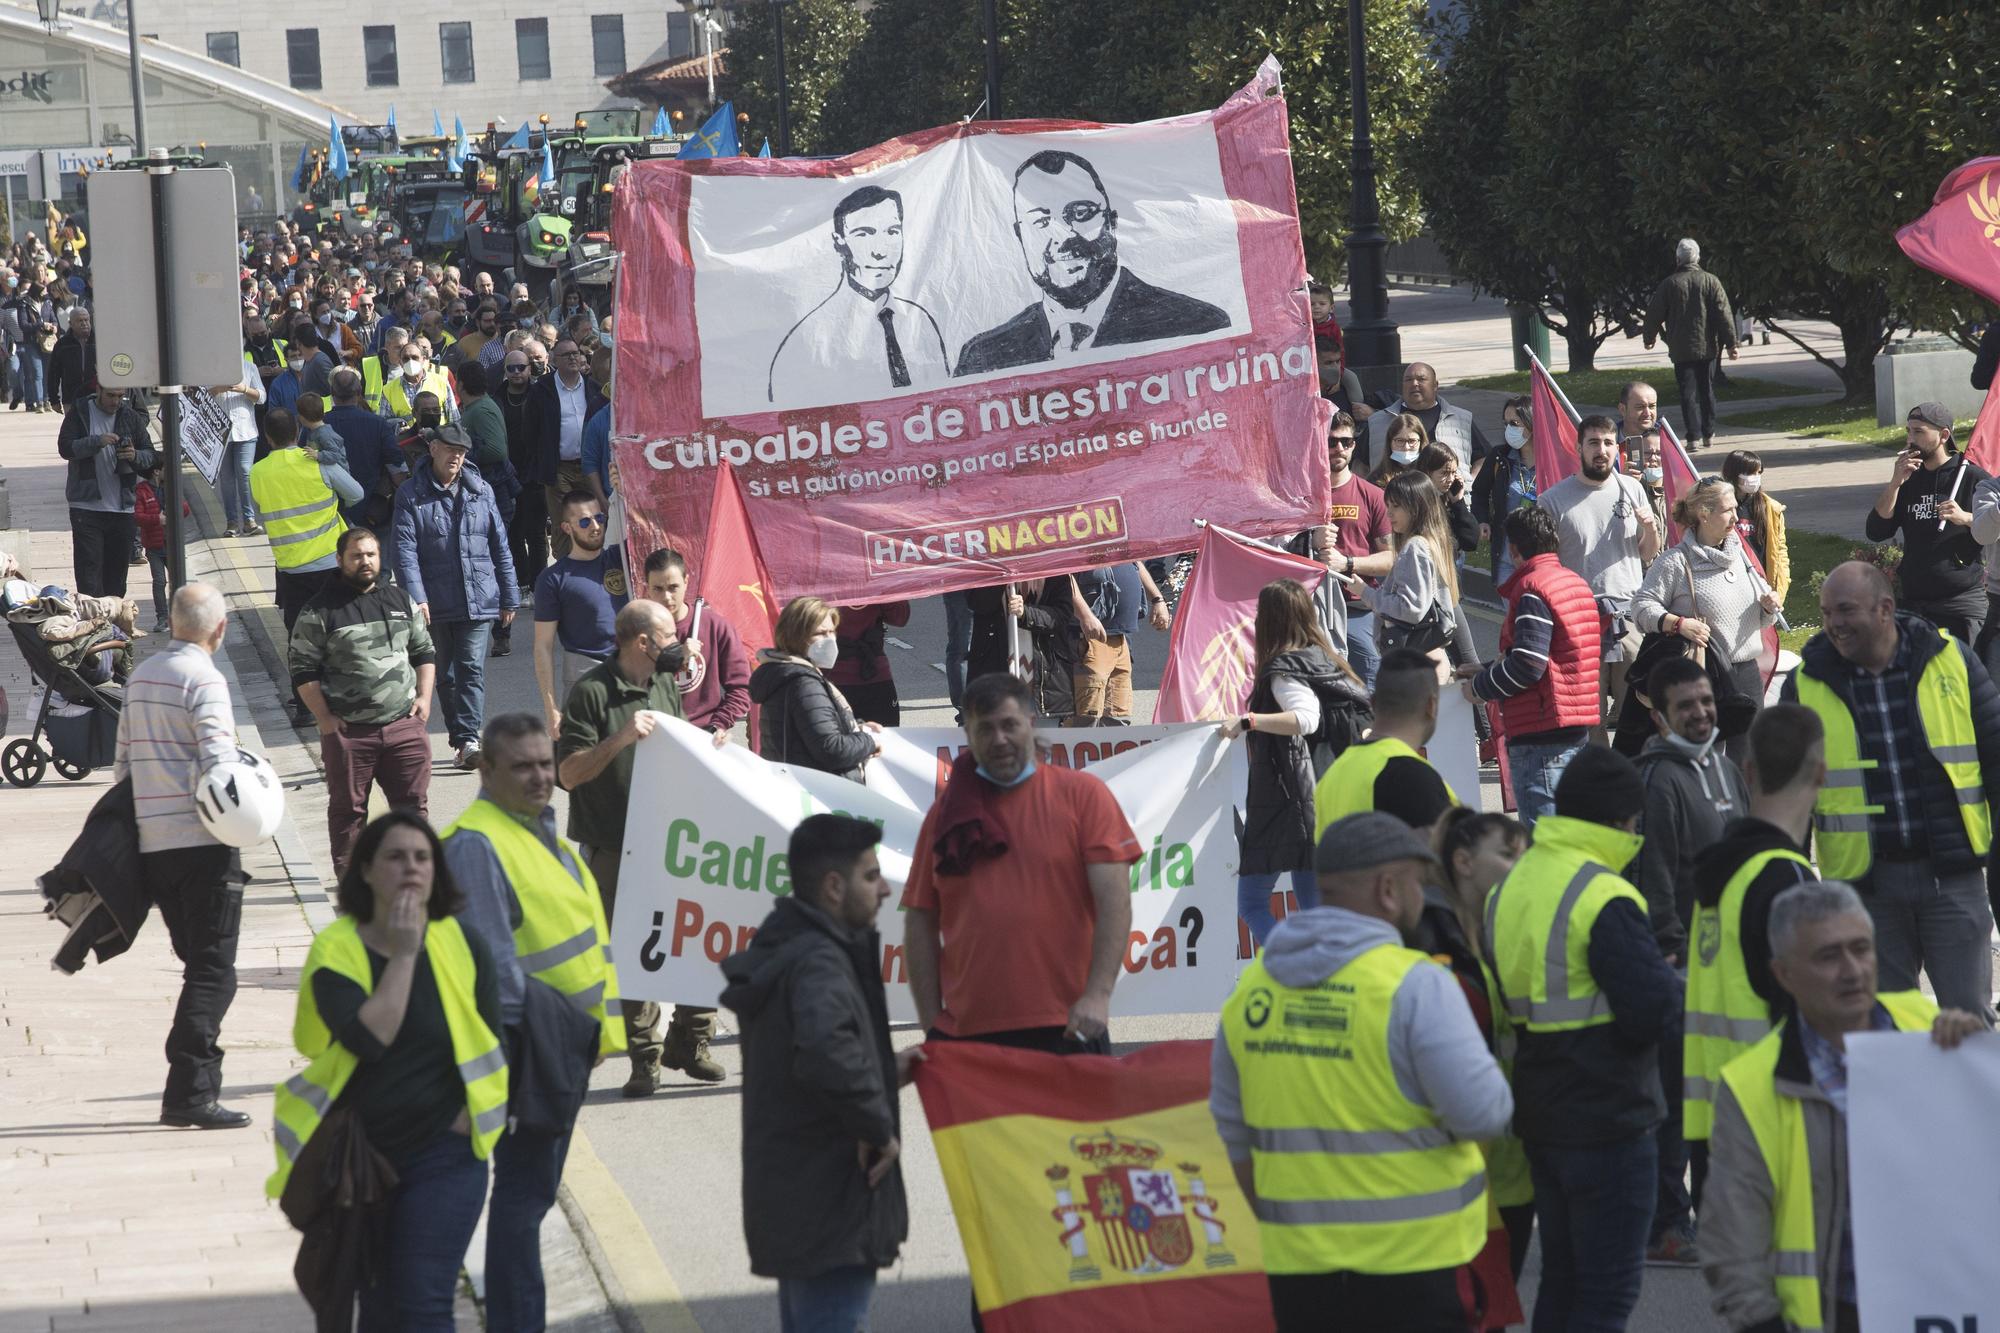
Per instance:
x=1607, y=533
x=577, y=601
x=1069, y=238
x=362, y=660
x=860, y=338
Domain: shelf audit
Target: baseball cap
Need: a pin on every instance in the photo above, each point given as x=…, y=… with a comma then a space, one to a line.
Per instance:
x=1932, y=414
x=1366, y=840
x=452, y=437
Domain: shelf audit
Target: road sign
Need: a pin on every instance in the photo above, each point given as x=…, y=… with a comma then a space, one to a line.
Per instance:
x=197, y=219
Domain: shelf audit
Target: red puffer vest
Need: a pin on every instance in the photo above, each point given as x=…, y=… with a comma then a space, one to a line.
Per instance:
x=1567, y=694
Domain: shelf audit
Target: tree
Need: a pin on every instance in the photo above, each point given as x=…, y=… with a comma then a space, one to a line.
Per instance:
x=820, y=35
x=919, y=63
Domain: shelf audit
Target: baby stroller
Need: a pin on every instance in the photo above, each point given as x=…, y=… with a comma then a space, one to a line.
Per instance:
x=80, y=719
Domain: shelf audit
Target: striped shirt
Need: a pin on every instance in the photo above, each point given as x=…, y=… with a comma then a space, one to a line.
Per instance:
x=177, y=724
x=1527, y=659
x=1886, y=723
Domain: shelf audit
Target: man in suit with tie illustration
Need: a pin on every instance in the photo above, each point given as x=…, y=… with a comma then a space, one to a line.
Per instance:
x=860, y=342
x=1069, y=238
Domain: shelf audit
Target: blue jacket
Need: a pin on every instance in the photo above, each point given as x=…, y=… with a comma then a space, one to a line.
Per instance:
x=451, y=548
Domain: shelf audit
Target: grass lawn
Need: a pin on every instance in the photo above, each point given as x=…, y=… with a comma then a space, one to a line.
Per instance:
x=1811, y=553
x=1822, y=421
x=1598, y=387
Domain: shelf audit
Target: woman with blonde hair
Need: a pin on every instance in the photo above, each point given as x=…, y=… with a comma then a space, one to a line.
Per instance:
x=1706, y=591
x=1304, y=692
x=804, y=719
x=1417, y=602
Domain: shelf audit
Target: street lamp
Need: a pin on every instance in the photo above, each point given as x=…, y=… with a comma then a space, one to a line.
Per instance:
x=1373, y=342
x=710, y=30
x=52, y=15
x=778, y=53
x=992, y=23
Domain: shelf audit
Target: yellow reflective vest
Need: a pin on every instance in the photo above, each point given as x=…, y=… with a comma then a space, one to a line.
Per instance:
x=1539, y=918
x=1725, y=1014
x=1348, y=785
x=300, y=511
x=399, y=397
x=371, y=382
x=1944, y=711
x=1350, y=1173
x=304, y=1099
x=563, y=939
x=1778, y=1124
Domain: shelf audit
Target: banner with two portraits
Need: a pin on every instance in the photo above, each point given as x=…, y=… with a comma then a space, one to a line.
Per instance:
x=979, y=353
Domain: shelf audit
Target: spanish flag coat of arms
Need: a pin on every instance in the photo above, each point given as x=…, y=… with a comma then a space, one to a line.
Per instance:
x=1093, y=1193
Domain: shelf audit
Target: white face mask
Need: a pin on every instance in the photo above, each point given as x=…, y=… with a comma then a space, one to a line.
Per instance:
x=326, y=321
x=823, y=652
x=1654, y=475
x=413, y=369
x=1750, y=483
x=1697, y=751
x=1403, y=455
x=1517, y=437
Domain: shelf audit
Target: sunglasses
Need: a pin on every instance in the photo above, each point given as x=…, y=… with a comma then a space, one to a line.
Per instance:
x=514, y=368
x=588, y=521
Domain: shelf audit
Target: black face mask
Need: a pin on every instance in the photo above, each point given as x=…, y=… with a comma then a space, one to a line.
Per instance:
x=672, y=659
x=430, y=422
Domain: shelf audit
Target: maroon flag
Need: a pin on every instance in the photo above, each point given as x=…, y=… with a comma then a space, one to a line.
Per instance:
x=1959, y=237
x=1555, y=431
x=1982, y=447
x=730, y=571
x=1211, y=658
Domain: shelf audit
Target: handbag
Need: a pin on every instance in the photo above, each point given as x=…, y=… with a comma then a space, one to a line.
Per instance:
x=1428, y=635
x=45, y=341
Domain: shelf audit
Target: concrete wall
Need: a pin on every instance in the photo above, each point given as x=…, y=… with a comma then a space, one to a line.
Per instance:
x=1930, y=371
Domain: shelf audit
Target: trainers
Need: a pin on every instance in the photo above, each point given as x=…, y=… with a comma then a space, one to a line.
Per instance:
x=229, y=532
x=468, y=755
x=1675, y=1249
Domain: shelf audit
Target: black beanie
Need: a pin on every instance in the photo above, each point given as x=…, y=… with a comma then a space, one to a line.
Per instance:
x=1600, y=785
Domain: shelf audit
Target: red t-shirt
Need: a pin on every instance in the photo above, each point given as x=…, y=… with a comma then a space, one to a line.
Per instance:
x=1360, y=520
x=1016, y=930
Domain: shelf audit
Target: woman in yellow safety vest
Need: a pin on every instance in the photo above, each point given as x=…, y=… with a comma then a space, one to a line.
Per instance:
x=399, y=1012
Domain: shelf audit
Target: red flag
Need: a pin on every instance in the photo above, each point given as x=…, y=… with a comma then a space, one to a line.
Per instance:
x=1960, y=236
x=1555, y=431
x=1982, y=447
x=1678, y=477
x=730, y=573
x=1212, y=656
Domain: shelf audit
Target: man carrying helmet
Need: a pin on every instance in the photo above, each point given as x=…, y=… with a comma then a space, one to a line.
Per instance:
x=176, y=726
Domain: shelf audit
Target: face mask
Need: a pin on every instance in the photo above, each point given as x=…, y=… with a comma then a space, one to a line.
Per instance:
x=822, y=653
x=1516, y=437
x=1750, y=484
x=326, y=321
x=1654, y=475
x=299, y=367
x=430, y=420
x=1405, y=456
x=296, y=305
x=1027, y=771
x=413, y=369
x=455, y=323
x=1694, y=751
x=672, y=660
x=526, y=323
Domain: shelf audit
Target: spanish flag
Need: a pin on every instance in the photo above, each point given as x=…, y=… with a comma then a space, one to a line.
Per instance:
x=1093, y=1193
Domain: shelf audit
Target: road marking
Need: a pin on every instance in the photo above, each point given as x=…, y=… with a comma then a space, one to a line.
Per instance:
x=939, y=668
x=647, y=1289
x=906, y=647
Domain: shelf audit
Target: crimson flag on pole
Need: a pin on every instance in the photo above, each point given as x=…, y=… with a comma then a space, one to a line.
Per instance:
x=1211, y=659
x=1555, y=433
x=1959, y=237
x=731, y=575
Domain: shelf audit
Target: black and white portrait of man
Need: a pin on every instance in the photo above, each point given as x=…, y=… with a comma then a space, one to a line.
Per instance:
x=862, y=341
x=1069, y=239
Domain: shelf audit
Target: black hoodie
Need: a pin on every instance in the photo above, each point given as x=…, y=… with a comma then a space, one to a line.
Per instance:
x=1716, y=865
x=1940, y=562
x=819, y=1077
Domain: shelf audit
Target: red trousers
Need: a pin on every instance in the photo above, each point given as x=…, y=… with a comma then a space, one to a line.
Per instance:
x=396, y=755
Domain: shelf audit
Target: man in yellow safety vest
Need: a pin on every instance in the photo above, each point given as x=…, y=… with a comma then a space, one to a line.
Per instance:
x=1388, y=771
x=1777, y=1234
x=299, y=497
x=532, y=900
x=1351, y=1087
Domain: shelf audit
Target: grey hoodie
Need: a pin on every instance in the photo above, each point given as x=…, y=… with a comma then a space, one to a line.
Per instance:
x=1688, y=804
x=1435, y=1049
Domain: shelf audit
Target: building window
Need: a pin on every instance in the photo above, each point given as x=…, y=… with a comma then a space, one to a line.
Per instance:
x=222, y=46
x=680, y=34
x=455, y=51
x=531, y=47
x=302, y=57
x=378, y=51
x=607, y=44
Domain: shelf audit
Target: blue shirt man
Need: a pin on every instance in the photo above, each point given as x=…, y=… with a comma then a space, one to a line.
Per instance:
x=577, y=600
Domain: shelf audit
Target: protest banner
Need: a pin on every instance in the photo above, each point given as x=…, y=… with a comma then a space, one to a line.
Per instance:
x=1925, y=1202
x=1093, y=1193
x=705, y=853
x=978, y=353
x=204, y=432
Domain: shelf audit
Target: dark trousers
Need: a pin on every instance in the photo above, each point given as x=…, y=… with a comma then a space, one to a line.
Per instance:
x=397, y=755
x=432, y=1215
x=1697, y=1171
x=1426, y=1302
x=200, y=896
x=1673, y=1210
x=295, y=590
x=642, y=1017
x=1697, y=382
x=527, y=1169
x=157, y=562
x=1961, y=617
x=529, y=533
x=100, y=547
x=875, y=700
x=1595, y=1205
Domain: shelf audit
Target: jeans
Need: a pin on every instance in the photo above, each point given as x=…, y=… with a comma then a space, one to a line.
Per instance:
x=396, y=756
x=957, y=643
x=158, y=561
x=1253, y=899
x=1939, y=923
x=33, y=372
x=432, y=1216
x=835, y=1302
x=1596, y=1206
x=527, y=1168
x=1347, y=1302
x=1536, y=767
x=1697, y=382
x=1362, y=654
x=100, y=551
x=239, y=511
x=201, y=902
x=461, y=676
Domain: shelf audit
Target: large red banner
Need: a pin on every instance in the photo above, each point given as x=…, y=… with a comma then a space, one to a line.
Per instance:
x=979, y=353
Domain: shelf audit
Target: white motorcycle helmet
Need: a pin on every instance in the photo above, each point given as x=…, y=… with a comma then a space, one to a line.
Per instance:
x=240, y=800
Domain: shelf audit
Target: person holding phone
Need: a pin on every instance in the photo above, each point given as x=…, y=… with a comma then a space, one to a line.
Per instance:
x=103, y=439
x=1928, y=501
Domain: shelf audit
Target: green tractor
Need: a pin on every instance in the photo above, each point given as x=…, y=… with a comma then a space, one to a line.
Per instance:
x=510, y=229
x=593, y=256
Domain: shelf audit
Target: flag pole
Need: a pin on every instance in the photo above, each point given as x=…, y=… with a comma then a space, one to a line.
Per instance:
x=1561, y=397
